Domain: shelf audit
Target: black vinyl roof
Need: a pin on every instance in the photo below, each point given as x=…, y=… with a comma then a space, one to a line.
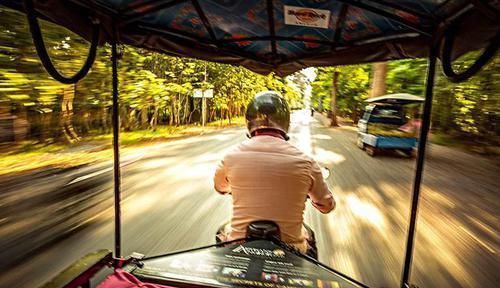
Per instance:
x=280, y=35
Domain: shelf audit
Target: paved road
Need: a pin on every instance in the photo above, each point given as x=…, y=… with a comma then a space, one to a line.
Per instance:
x=457, y=242
x=169, y=204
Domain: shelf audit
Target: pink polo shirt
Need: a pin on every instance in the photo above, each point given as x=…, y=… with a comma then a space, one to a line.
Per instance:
x=269, y=179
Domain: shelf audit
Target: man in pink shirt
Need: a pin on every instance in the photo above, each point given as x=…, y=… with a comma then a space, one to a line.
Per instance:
x=269, y=178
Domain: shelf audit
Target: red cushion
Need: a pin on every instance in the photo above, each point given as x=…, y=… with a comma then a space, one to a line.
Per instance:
x=122, y=279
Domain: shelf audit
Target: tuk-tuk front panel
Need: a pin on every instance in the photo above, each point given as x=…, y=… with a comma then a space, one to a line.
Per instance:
x=383, y=142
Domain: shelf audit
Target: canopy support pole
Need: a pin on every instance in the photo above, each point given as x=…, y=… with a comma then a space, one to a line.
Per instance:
x=116, y=143
x=424, y=130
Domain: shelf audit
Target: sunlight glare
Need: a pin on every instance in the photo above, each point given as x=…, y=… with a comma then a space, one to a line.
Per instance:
x=327, y=156
x=366, y=211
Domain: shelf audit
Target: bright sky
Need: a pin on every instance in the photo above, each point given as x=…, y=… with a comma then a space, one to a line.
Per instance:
x=310, y=73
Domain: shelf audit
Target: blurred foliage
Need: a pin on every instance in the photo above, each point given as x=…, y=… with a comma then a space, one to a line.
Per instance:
x=30, y=155
x=468, y=110
x=155, y=89
x=353, y=85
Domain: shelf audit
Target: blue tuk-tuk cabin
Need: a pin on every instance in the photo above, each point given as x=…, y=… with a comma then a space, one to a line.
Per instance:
x=390, y=122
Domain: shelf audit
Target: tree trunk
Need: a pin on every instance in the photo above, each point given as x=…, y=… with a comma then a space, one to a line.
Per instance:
x=154, y=119
x=178, y=112
x=144, y=117
x=21, y=125
x=85, y=122
x=124, y=118
x=104, y=120
x=186, y=113
x=133, y=119
x=355, y=115
x=378, y=82
x=67, y=115
x=172, y=113
x=212, y=116
x=45, y=124
x=333, y=102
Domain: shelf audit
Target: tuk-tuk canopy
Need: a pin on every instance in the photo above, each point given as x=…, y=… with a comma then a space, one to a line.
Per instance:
x=280, y=35
x=399, y=98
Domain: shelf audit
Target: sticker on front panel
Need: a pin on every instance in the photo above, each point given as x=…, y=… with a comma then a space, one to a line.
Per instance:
x=308, y=17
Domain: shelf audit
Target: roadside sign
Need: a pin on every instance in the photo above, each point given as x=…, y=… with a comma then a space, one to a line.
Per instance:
x=198, y=93
x=203, y=94
x=209, y=93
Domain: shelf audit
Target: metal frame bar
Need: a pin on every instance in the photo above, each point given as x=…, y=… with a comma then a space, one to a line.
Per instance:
x=204, y=20
x=457, y=14
x=486, y=9
x=388, y=15
x=368, y=40
x=92, y=6
x=339, y=26
x=357, y=43
x=454, y=15
x=116, y=142
x=270, y=38
x=141, y=5
x=196, y=40
x=176, y=34
x=442, y=5
x=272, y=32
x=397, y=6
x=197, y=248
x=149, y=8
x=424, y=130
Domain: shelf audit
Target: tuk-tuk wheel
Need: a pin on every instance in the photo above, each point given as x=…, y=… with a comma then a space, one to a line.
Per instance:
x=360, y=143
x=370, y=150
x=411, y=153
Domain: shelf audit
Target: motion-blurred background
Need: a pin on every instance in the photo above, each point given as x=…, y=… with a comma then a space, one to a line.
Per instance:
x=56, y=170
